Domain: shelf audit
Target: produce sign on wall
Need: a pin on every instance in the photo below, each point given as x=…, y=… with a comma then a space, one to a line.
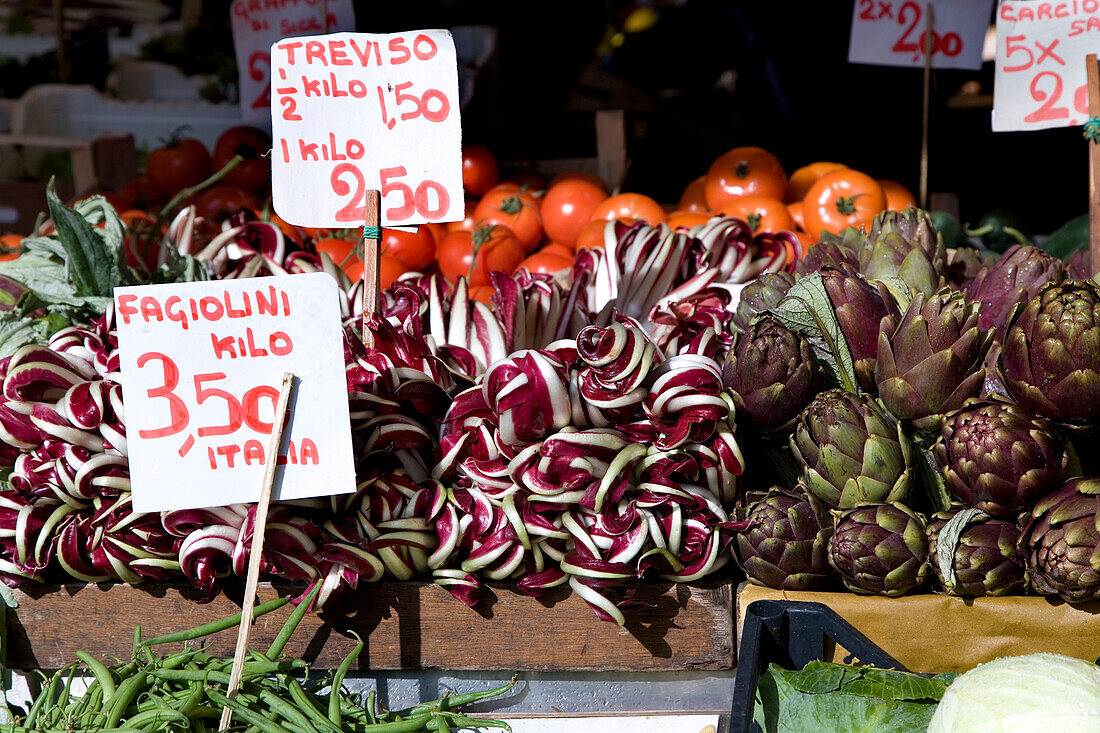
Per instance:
x=354, y=112
x=1040, y=76
x=257, y=24
x=200, y=364
x=892, y=33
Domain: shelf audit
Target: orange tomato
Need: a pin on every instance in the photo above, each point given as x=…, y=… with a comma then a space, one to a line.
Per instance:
x=681, y=219
x=557, y=249
x=744, y=171
x=568, y=206
x=467, y=223
x=798, y=214
x=630, y=207
x=694, y=197
x=415, y=249
x=841, y=199
x=898, y=197
x=515, y=207
x=592, y=178
x=340, y=251
x=497, y=249
x=10, y=245
x=480, y=171
x=389, y=269
x=591, y=237
x=438, y=230
x=763, y=213
x=540, y=262
x=482, y=294
x=801, y=180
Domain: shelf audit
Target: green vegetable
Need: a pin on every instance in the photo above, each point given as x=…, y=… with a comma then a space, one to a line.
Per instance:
x=841, y=699
x=949, y=226
x=1035, y=692
x=1068, y=238
x=999, y=230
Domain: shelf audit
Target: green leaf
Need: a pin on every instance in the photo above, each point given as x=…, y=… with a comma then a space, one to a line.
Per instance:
x=930, y=479
x=808, y=310
x=92, y=267
x=948, y=541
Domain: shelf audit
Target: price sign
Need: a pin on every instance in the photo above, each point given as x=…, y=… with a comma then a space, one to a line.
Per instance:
x=892, y=33
x=256, y=24
x=201, y=363
x=1040, y=81
x=356, y=112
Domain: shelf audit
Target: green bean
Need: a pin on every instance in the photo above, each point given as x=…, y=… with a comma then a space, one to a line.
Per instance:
x=278, y=705
x=370, y=708
x=215, y=626
x=464, y=721
x=307, y=704
x=400, y=726
x=245, y=714
x=454, y=701
x=43, y=696
x=179, y=658
x=106, y=679
x=155, y=717
x=338, y=681
x=291, y=624
x=123, y=697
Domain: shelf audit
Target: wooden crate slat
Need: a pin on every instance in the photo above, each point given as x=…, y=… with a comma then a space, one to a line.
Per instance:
x=406, y=625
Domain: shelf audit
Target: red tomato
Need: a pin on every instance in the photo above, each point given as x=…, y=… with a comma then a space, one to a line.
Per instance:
x=687, y=219
x=763, y=213
x=341, y=251
x=509, y=205
x=222, y=202
x=479, y=169
x=497, y=249
x=533, y=182
x=568, y=206
x=467, y=223
x=898, y=197
x=482, y=294
x=142, y=244
x=389, y=269
x=415, y=249
x=694, y=197
x=438, y=231
x=592, y=178
x=546, y=263
x=591, y=237
x=841, y=199
x=797, y=212
x=557, y=249
x=10, y=245
x=178, y=164
x=251, y=143
x=630, y=207
x=139, y=193
x=801, y=180
x=745, y=171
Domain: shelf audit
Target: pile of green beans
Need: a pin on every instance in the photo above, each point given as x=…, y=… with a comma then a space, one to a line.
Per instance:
x=186, y=691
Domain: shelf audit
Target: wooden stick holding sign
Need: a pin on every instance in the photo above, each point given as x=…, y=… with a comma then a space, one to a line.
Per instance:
x=1093, y=80
x=372, y=244
x=259, y=528
x=928, y=49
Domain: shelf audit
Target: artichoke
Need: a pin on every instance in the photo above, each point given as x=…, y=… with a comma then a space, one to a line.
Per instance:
x=860, y=308
x=760, y=295
x=905, y=245
x=1014, y=278
x=880, y=548
x=1060, y=542
x=1050, y=355
x=851, y=451
x=999, y=457
x=831, y=251
x=773, y=373
x=984, y=561
x=932, y=361
x=784, y=541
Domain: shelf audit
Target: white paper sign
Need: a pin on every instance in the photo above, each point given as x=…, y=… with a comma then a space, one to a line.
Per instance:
x=892, y=33
x=257, y=24
x=1039, y=80
x=356, y=112
x=201, y=364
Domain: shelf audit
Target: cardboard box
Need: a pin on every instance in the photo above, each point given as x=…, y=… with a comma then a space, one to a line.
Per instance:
x=937, y=633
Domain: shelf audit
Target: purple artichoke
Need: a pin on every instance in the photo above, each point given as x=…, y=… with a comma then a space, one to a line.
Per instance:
x=932, y=361
x=999, y=457
x=905, y=245
x=880, y=548
x=785, y=540
x=974, y=554
x=860, y=308
x=1061, y=542
x=760, y=295
x=1050, y=355
x=1015, y=278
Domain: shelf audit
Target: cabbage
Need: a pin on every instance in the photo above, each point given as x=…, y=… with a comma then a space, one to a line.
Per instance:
x=1051, y=693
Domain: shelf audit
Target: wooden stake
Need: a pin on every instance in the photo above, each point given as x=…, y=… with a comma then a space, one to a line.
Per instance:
x=259, y=528
x=324, y=14
x=928, y=47
x=372, y=290
x=59, y=35
x=1093, y=75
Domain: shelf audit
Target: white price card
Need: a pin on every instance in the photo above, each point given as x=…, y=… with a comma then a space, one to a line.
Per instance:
x=201, y=364
x=256, y=24
x=892, y=33
x=353, y=112
x=1039, y=80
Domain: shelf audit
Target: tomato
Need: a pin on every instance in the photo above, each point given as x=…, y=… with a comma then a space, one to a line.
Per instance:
x=513, y=206
x=497, y=249
x=805, y=240
x=437, y=230
x=341, y=251
x=694, y=197
x=467, y=223
x=681, y=219
x=898, y=197
x=389, y=269
x=764, y=214
x=415, y=249
x=482, y=294
x=480, y=171
x=10, y=246
x=629, y=207
x=558, y=250
x=251, y=143
x=745, y=171
x=591, y=237
x=222, y=202
x=801, y=180
x=142, y=244
x=592, y=178
x=178, y=164
x=568, y=206
x=534, y=182
x=841, y=199
x=139, y=193
x=541, y=262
